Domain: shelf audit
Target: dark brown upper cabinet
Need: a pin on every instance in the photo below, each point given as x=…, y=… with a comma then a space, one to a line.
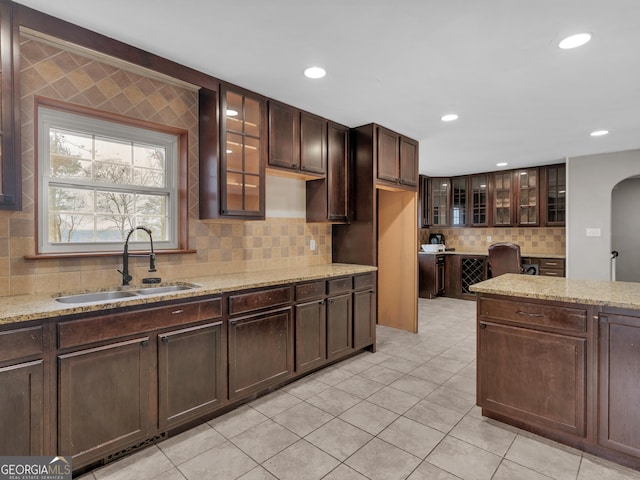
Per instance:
x=297, y=140
x=423, y=201
x=553, y=204
x=397, y=159
x=10, y=165
x=479, y=200
x=440, y=189
x=232, y=166
x=328, y=197
x=459, y=201
x=528, y=195
x=503, y=211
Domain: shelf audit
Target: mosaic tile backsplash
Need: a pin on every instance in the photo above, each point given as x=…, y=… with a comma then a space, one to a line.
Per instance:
x=221, y=245
x=551, y=240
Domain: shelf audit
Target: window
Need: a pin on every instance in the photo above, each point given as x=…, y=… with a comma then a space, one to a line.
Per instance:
x=99, y=178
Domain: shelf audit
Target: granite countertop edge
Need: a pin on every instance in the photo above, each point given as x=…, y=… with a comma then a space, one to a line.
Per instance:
x=485, y=253
x=23, y=308
x=602, y=293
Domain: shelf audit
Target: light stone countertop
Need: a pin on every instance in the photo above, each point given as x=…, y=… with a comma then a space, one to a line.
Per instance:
x=485, y=253
x=21, y=308
x=590, y=292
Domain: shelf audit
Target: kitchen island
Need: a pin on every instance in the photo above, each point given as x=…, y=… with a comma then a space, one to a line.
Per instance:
x=561, y=358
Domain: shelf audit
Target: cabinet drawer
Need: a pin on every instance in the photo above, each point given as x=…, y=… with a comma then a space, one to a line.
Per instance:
x=107, y=327
x=534, y=314
x=310, y=291
x=339, y=285
x=549, y=272
x=247, y=302
x=361, y=282
x=24, y=342
x=554, y=263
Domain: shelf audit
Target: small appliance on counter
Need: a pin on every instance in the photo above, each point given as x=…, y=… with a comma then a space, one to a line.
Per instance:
x=436, y=238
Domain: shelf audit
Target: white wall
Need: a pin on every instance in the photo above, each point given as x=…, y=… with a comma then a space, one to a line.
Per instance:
x=590, y=181
x=285, y=197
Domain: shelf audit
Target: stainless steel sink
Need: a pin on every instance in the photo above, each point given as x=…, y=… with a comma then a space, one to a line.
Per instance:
x=163, y=289
x=95, y=297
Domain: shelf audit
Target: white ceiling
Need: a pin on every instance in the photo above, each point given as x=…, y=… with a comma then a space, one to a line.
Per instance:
x=404, y=63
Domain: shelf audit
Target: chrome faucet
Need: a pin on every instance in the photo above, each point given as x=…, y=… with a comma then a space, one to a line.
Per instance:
x=126, y=277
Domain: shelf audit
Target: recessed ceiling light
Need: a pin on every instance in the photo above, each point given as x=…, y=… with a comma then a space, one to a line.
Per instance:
x=599, y=133
x=574, y=41
x=231, y=113
x=502, y=164
x=449, y=117
x=315, y=72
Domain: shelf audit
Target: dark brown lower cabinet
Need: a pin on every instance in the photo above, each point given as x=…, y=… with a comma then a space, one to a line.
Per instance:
x=260, y=351
x=364, y=318
x=533, y=376
x=339, y=326
x=22, y=407
x=619, y=383
x=311, y=335
x=103, y=399
x=191, y=372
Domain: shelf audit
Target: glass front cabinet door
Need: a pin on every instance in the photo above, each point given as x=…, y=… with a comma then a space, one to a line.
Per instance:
x=243, y=153
x=502, y=198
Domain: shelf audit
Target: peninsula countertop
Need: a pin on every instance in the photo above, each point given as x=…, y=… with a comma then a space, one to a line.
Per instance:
x=591, y=292
x=21, y=308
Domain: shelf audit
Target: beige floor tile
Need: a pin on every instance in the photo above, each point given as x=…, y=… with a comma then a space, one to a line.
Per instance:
x=453, y=399
x=223, y=461
x=411, y=436
x=369, y=417
x=258, y=473
x=265, y=440
x=332, y=376
x=343, y=472
x=552, y=461
x=597, y=469
x=173, y=474
x=359, y=386
x=462, y=383
x=381, y=374
x=428, y=471
x=483, y=434
x=432, y=374
x=339, y=438
x=237, y=421
x=142, y=465
x=275, y=403
x=379, y=460
x=464, y=460
x=305, y=388
x=400, y=364
x=301, y=461
x=187, y=445
x=303, y=418
x=448, y=364
x=334, y=401
x=434, y=415
x=394, y=400
x=414, y=385
x=512, y=471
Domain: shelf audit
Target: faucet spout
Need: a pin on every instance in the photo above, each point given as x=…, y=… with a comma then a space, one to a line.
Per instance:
x=126, y=276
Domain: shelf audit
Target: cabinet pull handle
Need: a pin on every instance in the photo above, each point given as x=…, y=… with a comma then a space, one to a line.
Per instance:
x=176, y=312
x=164, y=339
x=144, y=343
x=552, y=263
x=483, y=325
x=537, y=315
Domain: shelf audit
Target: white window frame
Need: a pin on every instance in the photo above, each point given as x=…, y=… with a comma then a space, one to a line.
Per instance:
x=92, y=125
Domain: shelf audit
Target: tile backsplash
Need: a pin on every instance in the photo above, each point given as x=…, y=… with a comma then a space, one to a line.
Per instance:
x=539, y=240
x=220, y=246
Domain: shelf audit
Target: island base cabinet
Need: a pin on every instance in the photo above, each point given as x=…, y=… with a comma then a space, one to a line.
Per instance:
x=619, y=384
x=260, y=351
x=311, y=335
x=103, y=402
x=339, y=326
x=533, y=376
x=21, y=401
x=191, y=373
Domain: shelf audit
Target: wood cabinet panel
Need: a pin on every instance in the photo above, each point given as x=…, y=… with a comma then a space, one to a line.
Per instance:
x=284, y=135
x=310, y=291
x=103, y=399
x=337, y=172
x=554, y=393
x=364, y=319
x=192, y=372
x=388, y=164
x=247, y=302
x=311, y=335
x=367, y=280
x=431, y=275
x=313, y=143
x=260, y=351
x=339, y=285
x=22, y=409
x=20, y=343
x=619, y=383
x=408, y=162
x=339, y=326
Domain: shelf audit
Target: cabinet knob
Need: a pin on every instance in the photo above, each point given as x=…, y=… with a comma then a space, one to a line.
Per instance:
x=483, y=325
x=164, y=339
x=144, y=343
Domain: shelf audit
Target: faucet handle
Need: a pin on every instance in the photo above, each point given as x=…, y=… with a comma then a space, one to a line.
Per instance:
x=126, y=278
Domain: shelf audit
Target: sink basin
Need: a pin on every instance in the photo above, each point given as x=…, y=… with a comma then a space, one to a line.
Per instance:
x=95, y=297
x=163, y=289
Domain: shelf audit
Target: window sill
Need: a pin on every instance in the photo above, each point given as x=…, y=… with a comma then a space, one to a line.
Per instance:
x=56, y=256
